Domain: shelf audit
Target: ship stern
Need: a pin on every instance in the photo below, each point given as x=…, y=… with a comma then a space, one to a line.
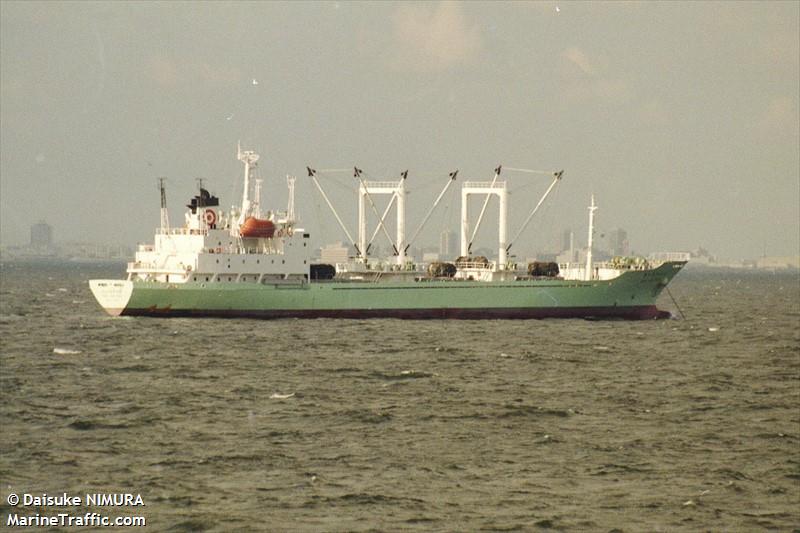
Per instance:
x=113, y=295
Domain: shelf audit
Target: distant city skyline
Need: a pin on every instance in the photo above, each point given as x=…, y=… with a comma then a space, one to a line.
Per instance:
x=614, y=242
x=42, y=244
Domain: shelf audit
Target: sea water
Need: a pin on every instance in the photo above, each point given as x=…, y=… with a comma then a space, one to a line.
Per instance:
x=357, y=425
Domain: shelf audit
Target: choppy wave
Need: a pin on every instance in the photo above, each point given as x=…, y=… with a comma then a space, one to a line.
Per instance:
x=391, y=425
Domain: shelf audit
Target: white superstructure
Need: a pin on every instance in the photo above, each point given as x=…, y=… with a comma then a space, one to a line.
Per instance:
x=211, y=245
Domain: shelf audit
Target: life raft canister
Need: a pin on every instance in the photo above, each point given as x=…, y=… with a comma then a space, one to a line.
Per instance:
x=210, y=216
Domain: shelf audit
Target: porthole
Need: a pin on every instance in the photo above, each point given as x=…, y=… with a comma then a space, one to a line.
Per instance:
x=206, y=279
x=283, y=261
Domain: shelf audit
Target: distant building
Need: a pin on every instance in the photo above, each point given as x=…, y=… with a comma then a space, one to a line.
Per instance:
x=41, y=235
x=88, y=250
x=567, y=240
x=334, y=253
x=618, y=244
x=778, y=262
x=569, y=253
x=701, y=256
x=447, y=244
x=484, y=252
x=567, y=256
x=542, y=257
x=670, y=256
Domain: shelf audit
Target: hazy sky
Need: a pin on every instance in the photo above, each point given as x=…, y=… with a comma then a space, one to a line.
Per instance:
x=681, y=117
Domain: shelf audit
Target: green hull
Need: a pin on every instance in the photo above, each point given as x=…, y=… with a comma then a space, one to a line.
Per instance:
x=632, y=295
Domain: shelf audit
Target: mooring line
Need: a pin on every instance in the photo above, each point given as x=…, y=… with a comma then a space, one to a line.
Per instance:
x=678, y=307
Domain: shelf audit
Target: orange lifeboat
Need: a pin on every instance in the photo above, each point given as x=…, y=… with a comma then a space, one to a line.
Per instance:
x=256, y=228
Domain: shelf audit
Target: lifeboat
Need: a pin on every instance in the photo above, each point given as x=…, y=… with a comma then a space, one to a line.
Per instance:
x=256, y=228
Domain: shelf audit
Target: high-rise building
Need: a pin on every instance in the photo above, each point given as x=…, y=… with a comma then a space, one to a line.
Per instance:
x=41, y=235
x=569, y=250
x=447, y=244
x=567, y=240
x=618, y=242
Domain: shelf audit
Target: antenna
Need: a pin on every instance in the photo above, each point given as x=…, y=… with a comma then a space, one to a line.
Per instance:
x=164, y=214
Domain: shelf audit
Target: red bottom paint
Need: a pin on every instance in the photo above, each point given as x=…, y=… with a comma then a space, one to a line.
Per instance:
x=644, y=312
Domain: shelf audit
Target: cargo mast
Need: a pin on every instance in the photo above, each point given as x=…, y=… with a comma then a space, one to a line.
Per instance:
x=164, y=212
x=249, y=158
x=588, y=274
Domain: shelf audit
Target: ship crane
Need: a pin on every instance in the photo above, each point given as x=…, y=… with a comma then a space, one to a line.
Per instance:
x=313, y=175
x=483, y=209
x=556, y=179
x=451, y=179
x=365, y=191
x=383, y=217
x=499, y=189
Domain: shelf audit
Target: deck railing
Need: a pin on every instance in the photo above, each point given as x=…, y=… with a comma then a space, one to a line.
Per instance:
x=180, y=231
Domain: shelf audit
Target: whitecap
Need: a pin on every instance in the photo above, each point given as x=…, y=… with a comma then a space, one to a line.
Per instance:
x=62, y=289
x=65, y=351
x=713, y=329
x=277, y=396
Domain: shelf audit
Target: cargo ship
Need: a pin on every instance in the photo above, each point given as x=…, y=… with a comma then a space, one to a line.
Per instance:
x=249, y=263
